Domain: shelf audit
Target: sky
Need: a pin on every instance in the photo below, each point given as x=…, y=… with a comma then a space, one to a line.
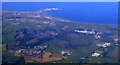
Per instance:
x=60, y=0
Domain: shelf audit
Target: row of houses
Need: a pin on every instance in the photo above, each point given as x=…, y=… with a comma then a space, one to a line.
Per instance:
x=106, y=44
x=37, y=50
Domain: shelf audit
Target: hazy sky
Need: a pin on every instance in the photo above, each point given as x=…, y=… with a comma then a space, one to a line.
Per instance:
x=59, y=0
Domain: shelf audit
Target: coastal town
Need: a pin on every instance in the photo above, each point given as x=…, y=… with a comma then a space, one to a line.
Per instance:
x=37, y=37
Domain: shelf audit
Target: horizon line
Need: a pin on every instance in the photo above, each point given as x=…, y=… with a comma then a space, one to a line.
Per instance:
x=60, y=1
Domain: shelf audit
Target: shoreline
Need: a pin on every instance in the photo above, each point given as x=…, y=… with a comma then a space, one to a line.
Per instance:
x=57, y=18
x=44, y=12
x=77, y=21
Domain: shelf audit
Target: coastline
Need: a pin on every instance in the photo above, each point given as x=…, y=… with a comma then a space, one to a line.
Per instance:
x=74, y=21
x=57, y=18
x=101, y=13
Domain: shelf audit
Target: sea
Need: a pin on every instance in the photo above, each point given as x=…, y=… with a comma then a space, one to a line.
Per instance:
x=88, y=12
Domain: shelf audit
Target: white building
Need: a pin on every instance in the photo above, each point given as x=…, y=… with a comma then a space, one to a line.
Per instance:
x=96, y=54
x=85, y=31
x=97, y=36
x=66, y=52
x=106, y=44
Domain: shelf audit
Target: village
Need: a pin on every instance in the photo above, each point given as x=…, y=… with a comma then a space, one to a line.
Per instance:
x=30, y=51
x=36, y=52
